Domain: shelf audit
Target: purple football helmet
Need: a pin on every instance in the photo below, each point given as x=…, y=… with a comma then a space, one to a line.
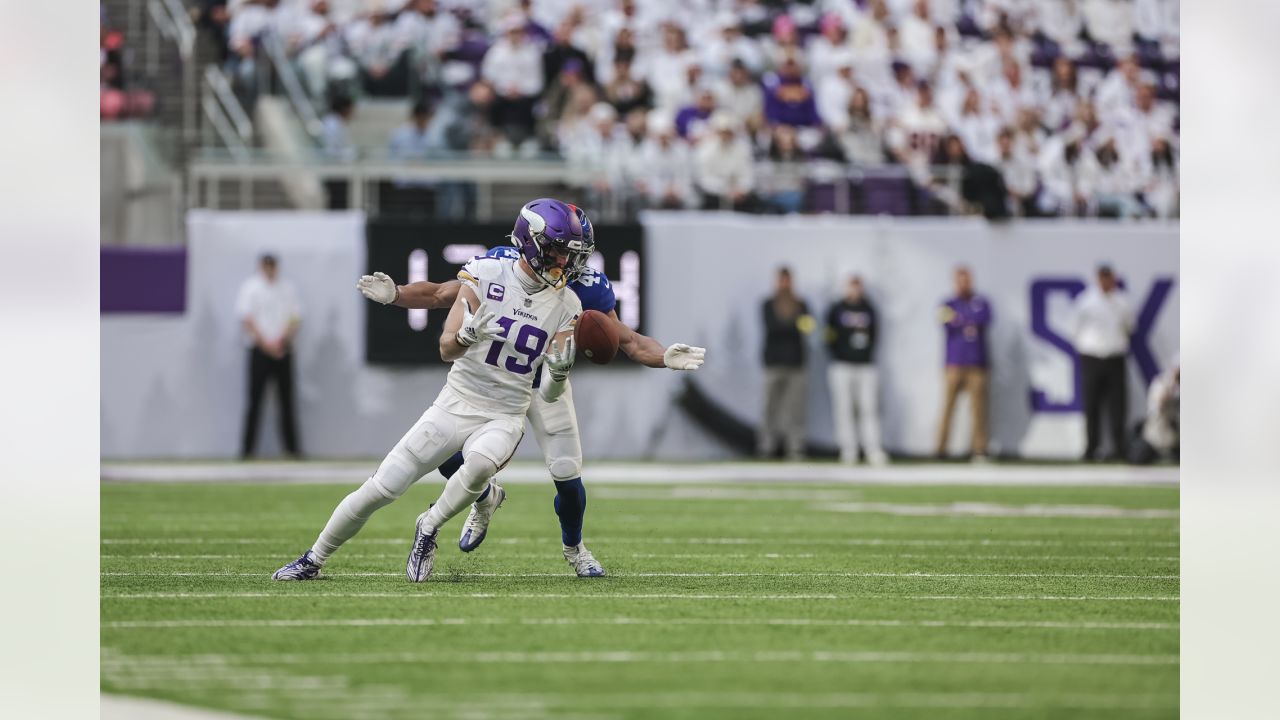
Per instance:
x=546, y=231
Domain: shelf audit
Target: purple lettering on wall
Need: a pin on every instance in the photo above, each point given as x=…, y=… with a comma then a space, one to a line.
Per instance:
x=1143, y=326
x=1040, y=291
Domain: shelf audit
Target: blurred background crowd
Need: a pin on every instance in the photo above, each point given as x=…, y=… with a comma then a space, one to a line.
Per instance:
x=999, y=107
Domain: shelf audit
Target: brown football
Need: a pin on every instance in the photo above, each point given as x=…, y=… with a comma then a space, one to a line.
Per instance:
x=596, y=337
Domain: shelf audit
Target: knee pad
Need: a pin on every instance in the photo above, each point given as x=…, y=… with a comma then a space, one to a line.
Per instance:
x=565, y=468
x=395, y=475
x=476, y=472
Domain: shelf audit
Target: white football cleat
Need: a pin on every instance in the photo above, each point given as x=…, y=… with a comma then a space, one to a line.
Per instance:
x=583, y=562
x=422, y=556
x=477, y=524
x=306, y=567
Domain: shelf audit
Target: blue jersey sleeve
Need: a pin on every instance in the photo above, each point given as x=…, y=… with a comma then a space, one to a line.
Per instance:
x=595, y=291
x=504, y=251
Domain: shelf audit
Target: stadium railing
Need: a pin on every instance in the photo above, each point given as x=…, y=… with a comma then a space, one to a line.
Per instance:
x=880, y=190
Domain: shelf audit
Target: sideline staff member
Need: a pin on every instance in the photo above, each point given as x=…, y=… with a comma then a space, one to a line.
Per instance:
x=1103, y=322
x=965, y=318
x=268, y=310
x=855, y=385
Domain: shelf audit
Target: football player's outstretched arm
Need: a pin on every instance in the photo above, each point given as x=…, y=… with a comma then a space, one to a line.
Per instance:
x=647, y=351
x=424, y=295
x=464, y=328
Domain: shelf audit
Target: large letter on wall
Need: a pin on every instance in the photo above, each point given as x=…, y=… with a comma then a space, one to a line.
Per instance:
x=1040, y=290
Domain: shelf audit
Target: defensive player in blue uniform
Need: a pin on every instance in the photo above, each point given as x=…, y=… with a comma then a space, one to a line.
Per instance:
x=555, y=425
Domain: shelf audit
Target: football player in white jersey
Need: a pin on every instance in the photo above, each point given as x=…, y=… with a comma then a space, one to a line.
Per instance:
x=555, y=425
x=521, y=312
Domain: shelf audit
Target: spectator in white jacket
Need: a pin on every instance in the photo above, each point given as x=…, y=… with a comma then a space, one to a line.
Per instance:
x=740, y=95
x=829, y=50
x=1110, y=22
x=666, y=175
x=1019, y=171
x=723, y=167
x=1061, y=21
x=429, y=34
x=917, y=40
x=513, y=66
x=1108, y=182
x=667, y=69
x=977, y=129
x=834, y=93
x=1117, y=91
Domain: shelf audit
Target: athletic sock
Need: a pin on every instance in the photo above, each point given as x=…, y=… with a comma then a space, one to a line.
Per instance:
x=571, y=506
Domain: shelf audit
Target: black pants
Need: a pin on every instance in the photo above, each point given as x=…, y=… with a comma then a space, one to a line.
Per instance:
x=262, y=368
x=514, y=117
x=1105, y=386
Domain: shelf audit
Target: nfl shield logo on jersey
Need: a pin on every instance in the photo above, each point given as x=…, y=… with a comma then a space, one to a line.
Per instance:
x=496, y=292
x=528, y=302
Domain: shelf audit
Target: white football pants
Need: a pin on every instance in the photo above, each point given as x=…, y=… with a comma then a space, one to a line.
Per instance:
x=487, y=445
x=555, y=427
x=855, y=391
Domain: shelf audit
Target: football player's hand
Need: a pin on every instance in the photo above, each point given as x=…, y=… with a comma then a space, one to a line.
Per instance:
x=378, y=287
x=684, y=357
x=560, y=360
x=479, y=326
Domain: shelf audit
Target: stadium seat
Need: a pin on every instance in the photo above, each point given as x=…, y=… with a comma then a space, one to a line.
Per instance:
x=886, y=196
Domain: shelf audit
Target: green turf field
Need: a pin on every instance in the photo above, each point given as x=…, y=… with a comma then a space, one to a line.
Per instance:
x=724, y=601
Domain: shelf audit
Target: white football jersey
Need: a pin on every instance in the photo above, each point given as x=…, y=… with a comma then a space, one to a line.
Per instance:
x=496, y=377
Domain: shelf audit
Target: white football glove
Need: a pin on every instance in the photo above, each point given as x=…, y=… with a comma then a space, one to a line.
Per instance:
x=477, y=327
x=378, y=287
x=560, y=361
x=684, y=357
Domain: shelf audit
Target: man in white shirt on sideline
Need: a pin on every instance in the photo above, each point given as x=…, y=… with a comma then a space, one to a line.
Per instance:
x=1104, y=320
x=268, y=310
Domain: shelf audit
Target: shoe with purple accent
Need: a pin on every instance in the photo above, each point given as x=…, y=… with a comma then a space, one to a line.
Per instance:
x=422, y=557
x=583, y=562
x=477, y=524
x=304, y=568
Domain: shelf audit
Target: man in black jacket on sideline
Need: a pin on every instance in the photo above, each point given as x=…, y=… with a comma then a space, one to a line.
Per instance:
x=855, y=386
x=786, y=322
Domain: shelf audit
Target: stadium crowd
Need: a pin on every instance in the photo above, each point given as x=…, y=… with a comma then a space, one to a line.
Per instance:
x=1023, y=107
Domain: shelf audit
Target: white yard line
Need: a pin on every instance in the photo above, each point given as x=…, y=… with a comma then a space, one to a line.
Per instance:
x=900, y=575
x=918, y=542
x=118, y=707
x=977, y=509
x=733, y=473
x=428, y=595
x=631, y=656
x=680, y=556
x=625, y=621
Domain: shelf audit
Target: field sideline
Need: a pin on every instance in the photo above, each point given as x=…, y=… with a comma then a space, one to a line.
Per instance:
x=836, y=598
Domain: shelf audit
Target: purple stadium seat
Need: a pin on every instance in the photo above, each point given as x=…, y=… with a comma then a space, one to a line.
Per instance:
x=886, y=196
x=820, y=197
